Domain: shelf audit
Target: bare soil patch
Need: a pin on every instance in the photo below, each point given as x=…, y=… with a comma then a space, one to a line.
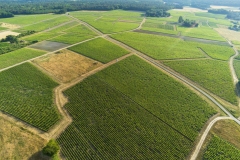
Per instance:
x=17, y=143
x=9, y=26
x=6, y=33
x=66, y=65
x=49, y=46
x=229, y=34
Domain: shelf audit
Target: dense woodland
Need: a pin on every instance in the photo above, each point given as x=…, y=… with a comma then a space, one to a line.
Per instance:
x=154, y=7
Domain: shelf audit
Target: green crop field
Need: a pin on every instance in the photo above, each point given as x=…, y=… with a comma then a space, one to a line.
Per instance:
x=47, y=24
x=40, y=36
x=28, y=19
x=220, y=150
x=236, y=42
x=201, y=32
x=75, y=34
x=160, y=47
x=27, y=94
x=18, y=56
x=159, y=30
x=111, y=112
x=71, y=38
x=236, y=64
x=64, y=27
x=100, y=49
x=217, y=51
x=111, y=21
x=213, y=75
x=2, y=28
x=210, y=15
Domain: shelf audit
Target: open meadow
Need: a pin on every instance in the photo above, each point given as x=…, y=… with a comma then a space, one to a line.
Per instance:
x=109, y=107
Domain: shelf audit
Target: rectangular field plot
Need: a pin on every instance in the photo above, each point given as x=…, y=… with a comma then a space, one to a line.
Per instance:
x=131, y=110
x=72, y=65
x=213, y=75
x=40, y=36
x=18, y=56
x=27, y=94
x=49, y=46
x=47, y=24
x=160, y=47
x=100, y=49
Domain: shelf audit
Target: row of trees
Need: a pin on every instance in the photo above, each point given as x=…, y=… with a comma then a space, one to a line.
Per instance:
x=157, y=13
x=6, y=14
x=60, y=6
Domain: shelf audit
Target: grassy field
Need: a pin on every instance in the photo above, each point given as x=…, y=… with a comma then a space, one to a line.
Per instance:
x=221, y=150
x=47, y=24
x=210, y=15
x=100, y=49
x=160, y=47
x=27, y=94
x=111, y=21
x=17, y=143
x=112, y=113
x=159, y=30
x=64, y=27
x=80, y=29
x=210, y=74
x=236, y=64
x=18, y=56
x=28, y=19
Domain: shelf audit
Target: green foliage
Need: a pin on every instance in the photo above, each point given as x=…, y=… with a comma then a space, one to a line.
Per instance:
x=221, y=150
x=18, y=56
x=51, y=148
x=40, y=36
x=100, y=49
x=156, y=25
x=213, y=75
x=160, y=47
x=27, y=94
x=157, y=13
x=113, y=118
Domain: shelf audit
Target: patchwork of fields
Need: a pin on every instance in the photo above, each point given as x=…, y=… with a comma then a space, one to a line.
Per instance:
x=130, y=109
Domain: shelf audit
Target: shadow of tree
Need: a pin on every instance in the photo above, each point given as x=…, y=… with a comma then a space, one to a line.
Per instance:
x=38, y=156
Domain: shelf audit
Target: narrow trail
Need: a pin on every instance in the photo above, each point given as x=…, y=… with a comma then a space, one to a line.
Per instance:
x=204, y=136
x=140, y=26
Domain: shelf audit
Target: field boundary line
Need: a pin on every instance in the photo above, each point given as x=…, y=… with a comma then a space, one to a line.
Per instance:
x=204, y=135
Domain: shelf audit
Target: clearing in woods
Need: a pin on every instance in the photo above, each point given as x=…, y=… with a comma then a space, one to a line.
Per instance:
x=17, y=143
x=66, y=65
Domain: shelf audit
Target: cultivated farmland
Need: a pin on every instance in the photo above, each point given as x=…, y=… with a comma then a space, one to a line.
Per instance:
x=220, y=149
x=100, y=49
x=110, y=103
x=18, y=56
x=160, y=47
x=27, y=94
x=216, y=73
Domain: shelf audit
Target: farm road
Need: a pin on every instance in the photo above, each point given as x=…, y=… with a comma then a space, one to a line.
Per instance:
x=204, y=135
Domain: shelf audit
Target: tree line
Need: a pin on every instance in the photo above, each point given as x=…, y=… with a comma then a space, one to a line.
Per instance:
x=152, y=7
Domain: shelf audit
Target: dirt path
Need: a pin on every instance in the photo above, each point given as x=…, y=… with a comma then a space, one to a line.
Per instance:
x=204, y=135
x=140, y=26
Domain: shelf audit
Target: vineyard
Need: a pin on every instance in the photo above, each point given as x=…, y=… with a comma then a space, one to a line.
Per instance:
x=100, y=49
x=217, y=51
x=111, y=22
x=27, y=94
x=113, y=118
x=210, y=74
x=47, y=24
x=221, y=150
x=156, y=25
x=236, y=64
x=18, y=56
x=160, y=47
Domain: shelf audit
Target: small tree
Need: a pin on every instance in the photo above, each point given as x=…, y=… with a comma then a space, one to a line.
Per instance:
x=51, y=148
x=180, y=19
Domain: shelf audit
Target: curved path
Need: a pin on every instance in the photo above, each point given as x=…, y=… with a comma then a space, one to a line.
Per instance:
x=204, y=135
